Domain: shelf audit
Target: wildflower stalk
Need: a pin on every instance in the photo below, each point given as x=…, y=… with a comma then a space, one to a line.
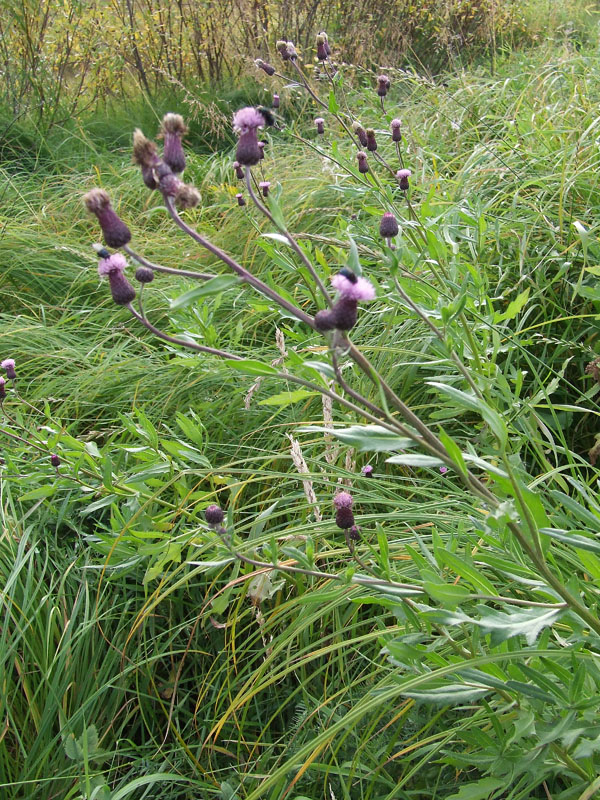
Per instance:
x=184, y=273
x=293, y=243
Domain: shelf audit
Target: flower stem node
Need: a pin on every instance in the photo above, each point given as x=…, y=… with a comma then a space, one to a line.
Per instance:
x=114, y=230
x=8, y=365
x=402, y=176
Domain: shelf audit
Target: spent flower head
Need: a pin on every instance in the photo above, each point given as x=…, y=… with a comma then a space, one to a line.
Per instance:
x=173, y=129
x=115, y=232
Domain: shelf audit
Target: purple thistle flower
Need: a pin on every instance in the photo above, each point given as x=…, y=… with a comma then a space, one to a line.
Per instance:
x=173, y=129
x=395, y=125
x=403, y=175
x=122, y=291
x=361, y=133
x=264, y=66
x=343, y=500
x=275, y=101
x=2, y=389
x=354, y=533
x=326, y=42
x=9, y=366
x=115, y=232
x=367, y=471
x=246, y=122
x=371, y=141
x=214, y=515
x=360, y=290
x=320, y=124
x=240, y=199
x=362, y=162
x=239, y=172
x=264, y=186
x=345, y=313
x=383, y=85
x=443, y=470
x=55, y=460
x=325, y=320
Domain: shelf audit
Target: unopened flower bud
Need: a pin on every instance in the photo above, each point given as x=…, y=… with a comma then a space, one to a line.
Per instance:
x=345, y=313
x=360, y=133
x=383, y=84
x=214, y=515
x=55, y=460
x=371, y=141
x=265, y=66
x=239, y=172
x=275, y=101
x=261, y=147
x=144, y=274
x=282, y=49
x=115, y=232
x=354, y=533
x=325, y=320
x=320, y=125
x=362, y=162
x=241, y=199
x=173, y=129
x=264, y=186
x=403, y=175
x=388, y=227
x=395, y=125
x=9, y=366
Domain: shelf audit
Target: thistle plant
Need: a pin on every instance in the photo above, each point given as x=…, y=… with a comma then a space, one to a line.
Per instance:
x=512, y=512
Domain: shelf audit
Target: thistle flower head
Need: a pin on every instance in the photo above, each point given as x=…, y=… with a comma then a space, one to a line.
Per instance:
x=173, y=129
x=264, y=66
x=360, y=290
x=354, y=533
x=343, y=500
x=247, y=119
x=286, y=50
x=114, y=263
x=264, y=186
x=261, y=147
x=322, y=47
x=344, y=518
x=115, y=232
x=8, y=365
x=363, y=166
x=371, y=141
x=360, y=133
x=2, y=389
x=443, y=470
x=325, y=320
x=214, y=515
x=403, y=175
x=55, y=460
x=388, y=227
x=320, y=125
x=396, y=125
x=239, y=172
x=367, y=471
x=240, y=199
x=187, y=196
x=383, y=85
x=144, y=275
x=145, y=151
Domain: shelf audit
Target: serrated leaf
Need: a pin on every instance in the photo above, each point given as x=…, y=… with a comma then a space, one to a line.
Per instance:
x=213, y=286
x=284, y=399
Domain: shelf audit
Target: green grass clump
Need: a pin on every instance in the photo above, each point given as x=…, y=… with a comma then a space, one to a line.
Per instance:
x=141, y=656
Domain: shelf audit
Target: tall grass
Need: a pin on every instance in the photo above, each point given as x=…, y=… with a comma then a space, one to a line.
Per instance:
x=122, y=612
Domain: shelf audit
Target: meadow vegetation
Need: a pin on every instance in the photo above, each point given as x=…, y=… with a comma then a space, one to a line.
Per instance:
x=140, y=654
